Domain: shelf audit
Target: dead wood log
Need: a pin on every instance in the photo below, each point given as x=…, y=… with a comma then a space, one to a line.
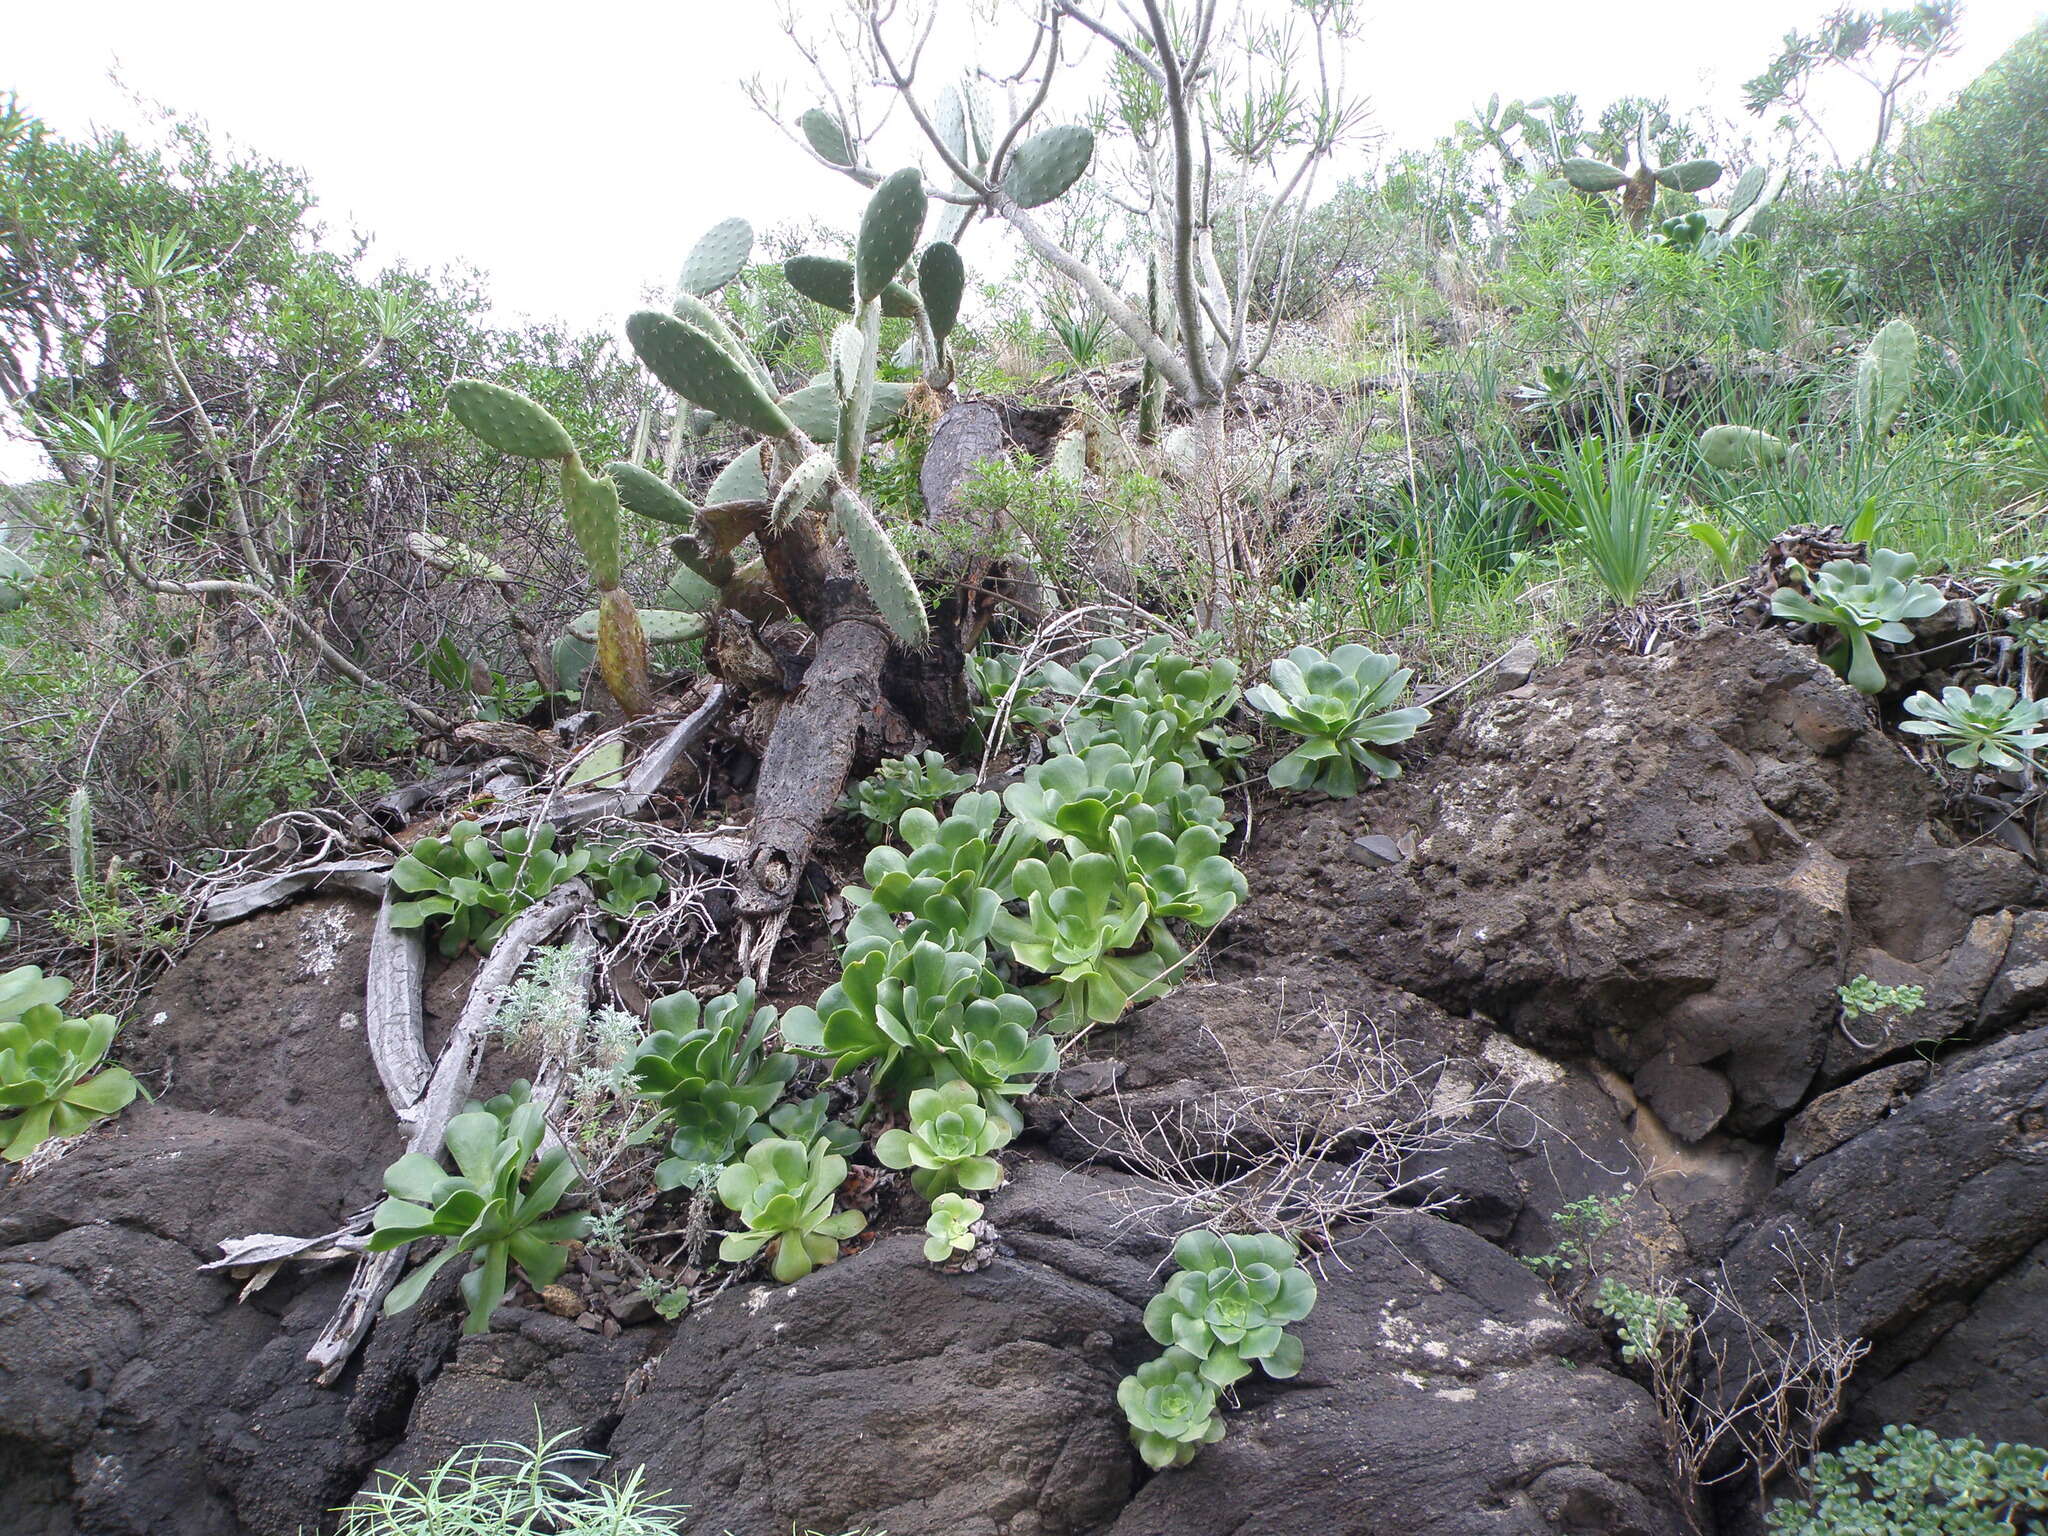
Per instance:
x=393, y=1005
x=366, y=877
x=453, y=1076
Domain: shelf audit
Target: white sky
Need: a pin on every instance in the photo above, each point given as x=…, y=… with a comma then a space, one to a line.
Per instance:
x=572, y=151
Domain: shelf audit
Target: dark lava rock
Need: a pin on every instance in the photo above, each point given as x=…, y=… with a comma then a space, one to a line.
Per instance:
x=1443, y=1393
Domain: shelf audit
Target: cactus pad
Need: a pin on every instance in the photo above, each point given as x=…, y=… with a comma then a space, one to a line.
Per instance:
x=650, y=495
x=950, y=118
x=1749, y=186
x=506, y=420
x=1690, y=175
x=687, y=592
x=882, y=569
x=941, y=283
x=1884, y=377
x=593, y=503
x=825, y=134
x=658, y=626
x=889, y=230
x=802, y=487
x=717, y=258
x=622, y=652
x=828, y=281
x=1047, y=163
x=1593, y=175
x=815, y=409
x=741, y=480
x=700, y=370
x=1737, y=448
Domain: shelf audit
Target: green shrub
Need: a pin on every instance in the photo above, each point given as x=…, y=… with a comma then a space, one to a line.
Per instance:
x=901, y=783
x=1607, y=503
x=706, y=1069
x=1986, y=725
x=470, y=891
x=1911, y=1482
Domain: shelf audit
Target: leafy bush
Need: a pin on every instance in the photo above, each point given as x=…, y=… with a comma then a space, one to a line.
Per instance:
x=1865, y=602
x=783, y=1193
x=53, y=1077
x=1911, y=1482
x=1229, y=1306
x=948, y=1142
x=491, y=1207
x=706, y=1068
x=1340, y=705
x=1988, y=726
x=469, y=890
x=901, y=783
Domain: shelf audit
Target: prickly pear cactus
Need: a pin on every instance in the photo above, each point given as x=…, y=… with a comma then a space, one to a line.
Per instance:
x=718, y=257
x=941, y=284
x=1593, y=175
x=828, y=281
x=1884, y=378
x=804, y=485
x=1690, y=175
x=593, y=506
x=1738, y=448
x=622, y=651
x=651, y=496
x=889, y=231
x=881, y=567
x=1047, y=163
x=700, y=370
x=506, y=420
x=824, y=133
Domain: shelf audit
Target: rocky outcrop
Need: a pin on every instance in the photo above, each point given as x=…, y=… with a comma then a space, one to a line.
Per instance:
x=1667, y=862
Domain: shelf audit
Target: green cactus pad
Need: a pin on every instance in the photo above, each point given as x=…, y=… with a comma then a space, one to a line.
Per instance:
x=1884, y=377
x=1749, y=186
x=887, y=578
x=825, y=135
x=650, y=495
x=741, y=480
x=803, y=486
x=889, y=231
x=815, y=409
x=506, y=420
x=950, y=118
x=1690, y=175
x=1737, y=448
x=828, y=281
x=1047, y=163
x=717, y=258
x=1593, y=175
x=593, y=504
x=703, y=372
x=941, y=283
x=660, y=626
x=687, y=592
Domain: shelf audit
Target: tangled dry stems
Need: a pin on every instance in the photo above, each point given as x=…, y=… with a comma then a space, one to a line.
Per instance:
x=1329, y=1146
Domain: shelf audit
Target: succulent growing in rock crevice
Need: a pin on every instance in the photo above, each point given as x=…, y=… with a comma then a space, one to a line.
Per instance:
x=1342, y=705
x=1865, y=603
x=1171, y=1410
x=707, y=1069
x=1984, y=726
x=53, y=1078
x=1230, y=1305
x=947, y=1144
x=783, y=1193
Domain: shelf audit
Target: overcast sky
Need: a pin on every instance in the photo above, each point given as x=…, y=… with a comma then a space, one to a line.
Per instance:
x=572, y=151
